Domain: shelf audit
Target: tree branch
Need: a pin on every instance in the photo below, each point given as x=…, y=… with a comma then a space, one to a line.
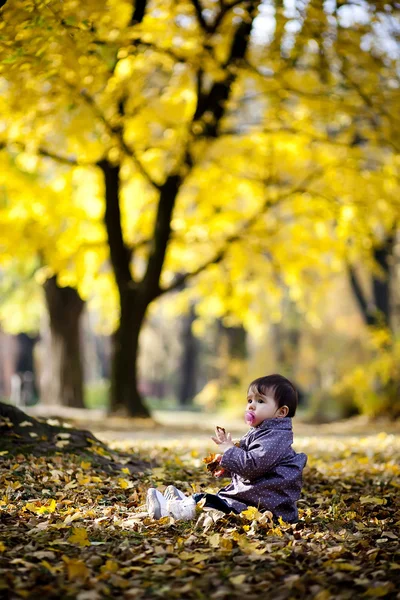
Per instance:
x=120, y=255
x=371, y=106
x=47, y=154
x=199, y=14
x=138, y=12
x=360, y=296
x=116, y=132
x=212, y=28
x=237, y=236
x=161, y=236
x=224, y=10
x=215, y=101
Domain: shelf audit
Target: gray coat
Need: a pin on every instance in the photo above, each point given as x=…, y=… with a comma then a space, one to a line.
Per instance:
x=266, y=472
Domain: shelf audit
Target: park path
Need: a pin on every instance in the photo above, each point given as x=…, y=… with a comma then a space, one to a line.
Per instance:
x=166, y=426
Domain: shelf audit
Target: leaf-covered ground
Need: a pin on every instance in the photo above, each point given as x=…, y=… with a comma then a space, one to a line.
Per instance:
x=69, y=529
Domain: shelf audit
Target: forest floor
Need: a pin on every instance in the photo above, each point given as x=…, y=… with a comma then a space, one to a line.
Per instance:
x=69, y=529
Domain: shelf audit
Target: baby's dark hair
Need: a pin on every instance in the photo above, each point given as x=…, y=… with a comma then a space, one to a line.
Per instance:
x=283, y=391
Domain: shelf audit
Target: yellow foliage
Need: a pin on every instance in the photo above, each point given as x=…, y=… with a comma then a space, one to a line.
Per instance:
x=281, y=179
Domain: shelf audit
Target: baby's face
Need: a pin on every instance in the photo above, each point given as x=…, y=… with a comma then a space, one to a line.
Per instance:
x=259, y=407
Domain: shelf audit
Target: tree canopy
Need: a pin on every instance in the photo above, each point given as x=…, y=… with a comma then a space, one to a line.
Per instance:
x=244, y=146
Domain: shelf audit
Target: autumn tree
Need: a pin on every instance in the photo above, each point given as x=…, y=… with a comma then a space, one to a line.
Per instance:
x=39, y=236
x=225, y=134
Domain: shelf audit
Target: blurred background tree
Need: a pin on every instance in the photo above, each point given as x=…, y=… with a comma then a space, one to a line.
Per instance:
x=243, y=153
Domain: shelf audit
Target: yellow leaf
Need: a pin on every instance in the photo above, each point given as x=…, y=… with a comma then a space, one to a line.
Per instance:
x=214, y=540
x=109, y=567
x=246, y=545
x=372, y=500
x=3, y=452
x=275, y=531
x=79, y=536
x=125, y=484
x=238, y=579
x=251, y=513
x=323, y=595
x=226, y=544
x=185, y=555
x=52, y=506
x=49, y=567
x=70, y=518
x=83, y=480
x=85, y=464
x=2, y=547
x=100, y=451
x=200, y=557
x=125, y=470
x=76, y=568
x=380, y=590
x=40, y=510
x=158, y=473
x=345, y=567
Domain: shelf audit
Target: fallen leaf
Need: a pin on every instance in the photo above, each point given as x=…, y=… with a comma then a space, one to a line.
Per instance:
x=76, y=568
x=125, y=484
x=237, y=579
x=79, y=536
x=62, y=443
x=372, y=500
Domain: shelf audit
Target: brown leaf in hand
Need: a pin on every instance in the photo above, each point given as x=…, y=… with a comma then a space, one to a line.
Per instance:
x=210, y=458
x=212, y=462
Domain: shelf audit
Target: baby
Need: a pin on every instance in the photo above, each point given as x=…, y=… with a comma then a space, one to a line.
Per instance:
x=265, y=470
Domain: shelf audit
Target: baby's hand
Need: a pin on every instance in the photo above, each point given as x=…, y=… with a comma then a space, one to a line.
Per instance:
x=222, y=439
x=219, y=471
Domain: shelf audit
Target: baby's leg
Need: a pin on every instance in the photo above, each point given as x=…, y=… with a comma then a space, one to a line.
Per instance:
x=214, y=501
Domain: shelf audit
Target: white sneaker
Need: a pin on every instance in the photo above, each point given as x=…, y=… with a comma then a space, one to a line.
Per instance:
x=156, y=504
x=182, y=510
x=172, y=493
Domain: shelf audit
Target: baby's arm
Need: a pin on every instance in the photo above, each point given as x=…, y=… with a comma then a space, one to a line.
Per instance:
x=262, y=455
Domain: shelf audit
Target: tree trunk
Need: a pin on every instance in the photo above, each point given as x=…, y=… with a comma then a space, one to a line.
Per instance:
x=377, y=312
x=65, y=307
x=125, y=395
x=187, y=388
x=25, y=368
x=233, y=353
